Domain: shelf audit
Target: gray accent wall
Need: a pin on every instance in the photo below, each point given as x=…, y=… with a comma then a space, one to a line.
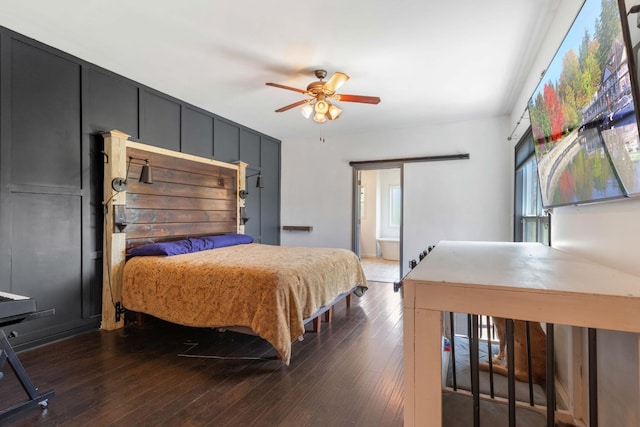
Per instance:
x=53, y=108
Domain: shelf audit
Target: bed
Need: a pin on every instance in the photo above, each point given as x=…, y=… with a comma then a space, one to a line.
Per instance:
x=271, y=291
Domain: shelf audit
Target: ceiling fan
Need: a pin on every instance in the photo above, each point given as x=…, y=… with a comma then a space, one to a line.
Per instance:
x=320, y=92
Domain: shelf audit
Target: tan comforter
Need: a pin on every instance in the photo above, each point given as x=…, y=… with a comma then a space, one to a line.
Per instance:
x=269, y=289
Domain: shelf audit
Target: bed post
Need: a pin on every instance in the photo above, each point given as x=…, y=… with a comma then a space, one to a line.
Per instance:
x=114, y=242
x=242, y=185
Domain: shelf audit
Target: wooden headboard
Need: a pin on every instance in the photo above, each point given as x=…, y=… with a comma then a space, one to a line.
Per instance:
x=190, y=196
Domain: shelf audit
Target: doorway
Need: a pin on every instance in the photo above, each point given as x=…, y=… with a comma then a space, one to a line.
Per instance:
x=377, y=231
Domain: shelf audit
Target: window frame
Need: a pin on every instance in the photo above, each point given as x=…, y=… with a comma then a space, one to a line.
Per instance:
x=392, y=189
x=540, y=220
x=362, y=196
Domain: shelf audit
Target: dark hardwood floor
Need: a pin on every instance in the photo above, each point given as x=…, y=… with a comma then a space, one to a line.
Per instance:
x=349, y=374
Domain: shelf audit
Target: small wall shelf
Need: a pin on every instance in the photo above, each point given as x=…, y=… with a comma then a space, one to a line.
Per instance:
x=307, y=228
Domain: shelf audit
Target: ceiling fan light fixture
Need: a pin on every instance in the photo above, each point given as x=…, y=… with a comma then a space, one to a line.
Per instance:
x=334, y=83
x=320, y=93
x=307, y=110
x=320, y=118
x=334, y=112
x=322, y=107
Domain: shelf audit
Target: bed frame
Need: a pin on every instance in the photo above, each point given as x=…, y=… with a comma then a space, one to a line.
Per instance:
x=190, y=196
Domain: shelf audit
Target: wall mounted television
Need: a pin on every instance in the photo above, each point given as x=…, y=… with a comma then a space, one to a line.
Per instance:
x=584, y=113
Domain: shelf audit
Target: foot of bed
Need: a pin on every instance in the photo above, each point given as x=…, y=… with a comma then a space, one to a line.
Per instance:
x=140, y=319
x=327, y=310
x=328, y=314
x=317, y=325
x=317, y=321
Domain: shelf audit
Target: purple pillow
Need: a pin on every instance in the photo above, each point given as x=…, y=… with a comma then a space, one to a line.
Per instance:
x=198, y=244
x=192, y=244
x=232, y=239
x=176, y=247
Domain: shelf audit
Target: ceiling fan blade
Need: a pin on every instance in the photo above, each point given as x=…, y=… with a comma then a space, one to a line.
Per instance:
x=290, y=106
x=356, y=98
x=334, y=83
x=286, y=87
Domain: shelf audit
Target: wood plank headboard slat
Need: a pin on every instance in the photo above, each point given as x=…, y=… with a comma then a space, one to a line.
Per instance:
x=163, y=175
x=164, y=231
x=180, y=190
x=191, y=164
x=149, y=201
x=151, y=216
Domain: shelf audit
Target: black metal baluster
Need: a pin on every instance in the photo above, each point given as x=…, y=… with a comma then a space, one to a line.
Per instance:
x=550, y=379
x=490, y=352
x=593, y=378
x=511, y=379
x=475, y=371
x=453, y=351
x=529, y=367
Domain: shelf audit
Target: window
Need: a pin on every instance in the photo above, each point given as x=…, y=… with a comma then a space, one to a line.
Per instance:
x=531, y=220
x=363, y=193
x=395, y=204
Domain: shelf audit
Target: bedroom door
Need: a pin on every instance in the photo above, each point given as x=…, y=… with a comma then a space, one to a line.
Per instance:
x=377, y=214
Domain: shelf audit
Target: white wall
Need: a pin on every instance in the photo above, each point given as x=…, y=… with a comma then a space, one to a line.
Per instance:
x=461, y=199
x=606, y=233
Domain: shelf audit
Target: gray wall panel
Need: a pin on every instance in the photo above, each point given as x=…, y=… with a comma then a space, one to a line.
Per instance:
x=197, y=133
x=45, y=119
x=250, y=153
x=46, y=253
x=250, y=150
x=226, y=141
x=270, y=195
x=113, y=104
x=161, y=121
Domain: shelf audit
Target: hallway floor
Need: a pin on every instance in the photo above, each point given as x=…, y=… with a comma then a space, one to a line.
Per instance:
x=380, y=270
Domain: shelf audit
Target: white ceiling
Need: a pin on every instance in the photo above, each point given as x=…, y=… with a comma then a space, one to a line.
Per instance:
x=429, y=61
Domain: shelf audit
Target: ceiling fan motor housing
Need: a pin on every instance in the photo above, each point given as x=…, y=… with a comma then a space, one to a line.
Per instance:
x=316, y=87
x=321, y=74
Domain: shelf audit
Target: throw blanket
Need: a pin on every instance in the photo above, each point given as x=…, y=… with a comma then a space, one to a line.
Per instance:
x=269, y=289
